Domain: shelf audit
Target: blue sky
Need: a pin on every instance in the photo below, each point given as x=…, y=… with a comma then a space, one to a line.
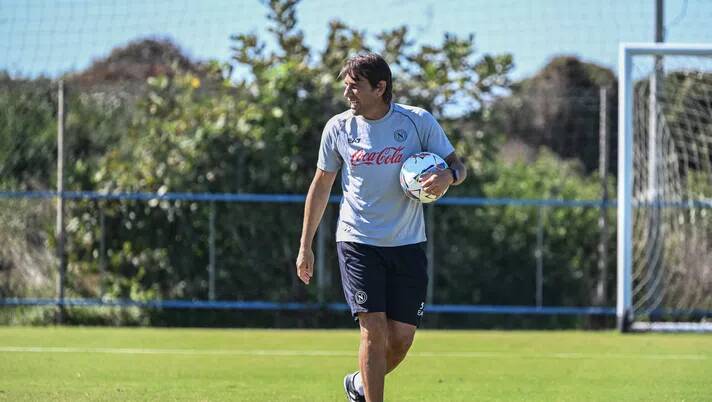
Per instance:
x=55, y=36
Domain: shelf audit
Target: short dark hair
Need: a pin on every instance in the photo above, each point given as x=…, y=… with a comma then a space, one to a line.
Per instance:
x=372, y=67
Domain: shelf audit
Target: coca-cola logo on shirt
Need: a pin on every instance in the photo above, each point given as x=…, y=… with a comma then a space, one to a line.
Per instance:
x=385, y=156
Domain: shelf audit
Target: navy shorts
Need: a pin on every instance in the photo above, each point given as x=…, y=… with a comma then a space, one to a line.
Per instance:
x=393, y=280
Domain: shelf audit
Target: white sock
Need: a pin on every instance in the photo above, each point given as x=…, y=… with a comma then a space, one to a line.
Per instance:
x=358, y=383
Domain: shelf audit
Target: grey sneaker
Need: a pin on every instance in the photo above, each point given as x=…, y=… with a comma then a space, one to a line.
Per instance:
x=351, y=394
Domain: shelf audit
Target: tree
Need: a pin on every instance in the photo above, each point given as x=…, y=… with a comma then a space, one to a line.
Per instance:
x=494, y=251
x=28, y=135
x=559, y=108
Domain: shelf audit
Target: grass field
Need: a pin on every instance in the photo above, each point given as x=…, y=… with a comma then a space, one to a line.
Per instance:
x=74, y=364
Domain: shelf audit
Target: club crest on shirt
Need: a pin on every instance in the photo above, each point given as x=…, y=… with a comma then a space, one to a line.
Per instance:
x=400, y=135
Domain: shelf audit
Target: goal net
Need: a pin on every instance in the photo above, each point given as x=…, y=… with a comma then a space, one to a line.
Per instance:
x=665, y=188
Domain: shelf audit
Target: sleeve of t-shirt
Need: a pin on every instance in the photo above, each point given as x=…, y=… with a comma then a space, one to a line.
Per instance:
x=329, y=158
x=435, y=139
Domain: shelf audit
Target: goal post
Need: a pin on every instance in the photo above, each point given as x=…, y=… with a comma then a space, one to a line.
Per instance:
x=664, y=200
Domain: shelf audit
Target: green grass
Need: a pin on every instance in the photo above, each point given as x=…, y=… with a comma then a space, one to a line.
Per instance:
x=74, y=364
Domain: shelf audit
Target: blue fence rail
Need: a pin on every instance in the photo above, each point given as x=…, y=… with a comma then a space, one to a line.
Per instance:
x=299, y=198
x=277, y=306
x=336, y=307
x=293, y=198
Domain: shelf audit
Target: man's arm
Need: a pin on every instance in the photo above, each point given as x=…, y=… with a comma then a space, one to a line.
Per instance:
x=317, y=198
x=454, y=163
x=436, y=183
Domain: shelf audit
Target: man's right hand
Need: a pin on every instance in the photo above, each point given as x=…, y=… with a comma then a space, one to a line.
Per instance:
x=305, y=264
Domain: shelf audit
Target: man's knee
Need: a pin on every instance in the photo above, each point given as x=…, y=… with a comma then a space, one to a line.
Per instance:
x=399, y=344
x=400, y=338
x=374, y=328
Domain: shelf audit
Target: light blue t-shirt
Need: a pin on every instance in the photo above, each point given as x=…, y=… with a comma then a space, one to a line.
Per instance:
x=374, y=209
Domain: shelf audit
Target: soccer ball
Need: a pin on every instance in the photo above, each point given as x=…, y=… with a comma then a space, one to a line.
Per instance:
x=416, y=166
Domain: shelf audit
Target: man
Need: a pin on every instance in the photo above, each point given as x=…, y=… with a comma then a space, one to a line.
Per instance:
x=380, y=232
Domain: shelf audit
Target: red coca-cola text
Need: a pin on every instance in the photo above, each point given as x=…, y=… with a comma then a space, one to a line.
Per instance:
x=385, y=156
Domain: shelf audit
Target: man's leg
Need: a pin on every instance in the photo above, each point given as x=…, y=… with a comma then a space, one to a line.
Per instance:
x=363, y=277
x=399, y=339
x=406, y=289
x=387, y=337
x=384, y=344
x=372, y=354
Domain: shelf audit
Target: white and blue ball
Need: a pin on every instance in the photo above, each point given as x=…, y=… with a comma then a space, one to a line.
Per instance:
x=413, y=168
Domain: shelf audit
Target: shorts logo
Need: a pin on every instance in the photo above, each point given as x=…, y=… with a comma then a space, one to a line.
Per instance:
x=400, y=135
x=360, y=297
x=420, y=309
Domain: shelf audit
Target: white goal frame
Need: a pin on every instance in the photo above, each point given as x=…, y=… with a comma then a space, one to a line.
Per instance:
x=624, y=305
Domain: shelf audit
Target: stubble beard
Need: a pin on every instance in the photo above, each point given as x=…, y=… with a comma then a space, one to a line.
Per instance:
x=355, y=108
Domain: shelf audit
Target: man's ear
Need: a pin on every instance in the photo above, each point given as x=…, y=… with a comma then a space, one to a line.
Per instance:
x=381, y=87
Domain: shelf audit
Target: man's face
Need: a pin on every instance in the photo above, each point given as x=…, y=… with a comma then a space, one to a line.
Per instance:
x=362, y=97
